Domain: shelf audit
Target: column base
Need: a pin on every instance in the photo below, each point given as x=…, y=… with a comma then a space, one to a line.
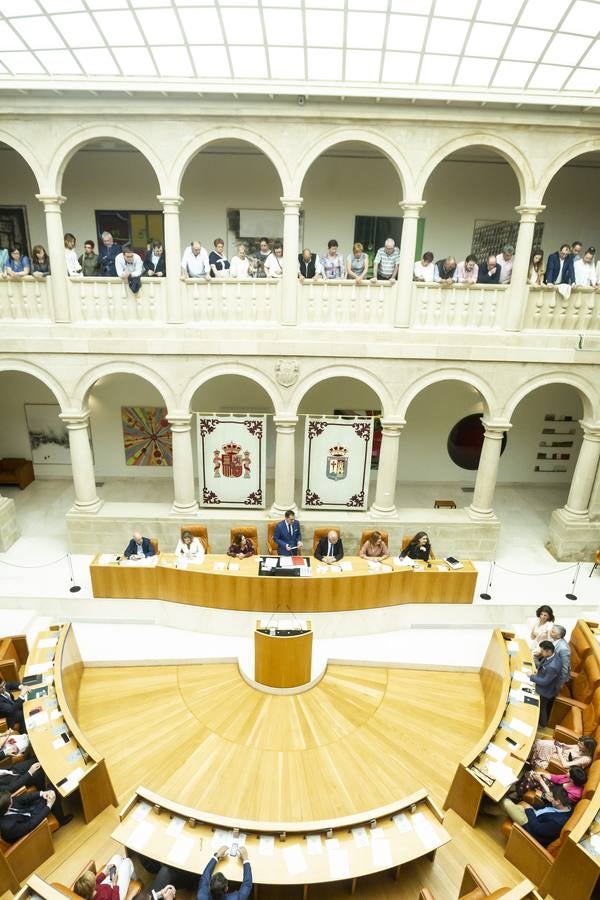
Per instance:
x=9, y=530
x=92, y=507
x=278, y=512
x=383, y=512
x=187, y=509
x=481, y=515
x=572, y=538
x=573, y=515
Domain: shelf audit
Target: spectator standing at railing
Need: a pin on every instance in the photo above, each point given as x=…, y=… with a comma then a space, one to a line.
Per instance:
x=129, y=268
x=386, y=262
x=154, y=261
x=535, y=273
x=194, y=262
x=489, y=272
x=333, y=262
x=357, y=263
x=424, y=268
x=468, y=270
x=444, y=271
x=241, y=266
x=73, y=266
x=17, y=266
x=309, y=265
x=89, y=260
x=108, y=255
x=505, y=260
x=584, y=271
x=219, y=264
x=40, y=262
x=3, y=259
x=560, y=267
x=576, y=250
x=274, y=262
x=261, y=256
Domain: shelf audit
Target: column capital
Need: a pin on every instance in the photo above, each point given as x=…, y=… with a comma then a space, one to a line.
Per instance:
x=495, y=429
x=392, y=425
x=529, y=213
x=52, y=202
x=411, y=208
x=285, y=420
x=591, y=430
x=75, y=418
x=180, y=420
x=291, y=203
x=170, y=204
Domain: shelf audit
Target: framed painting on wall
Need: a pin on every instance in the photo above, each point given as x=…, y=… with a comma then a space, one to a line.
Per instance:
x=48, y=436
x=147, y=437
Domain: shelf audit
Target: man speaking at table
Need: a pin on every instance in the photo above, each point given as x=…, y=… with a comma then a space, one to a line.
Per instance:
x=287, y=535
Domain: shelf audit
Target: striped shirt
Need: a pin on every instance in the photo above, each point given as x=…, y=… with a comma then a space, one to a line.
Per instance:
x=385, y=263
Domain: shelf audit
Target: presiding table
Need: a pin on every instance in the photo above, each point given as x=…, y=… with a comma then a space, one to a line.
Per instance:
x=223, y=583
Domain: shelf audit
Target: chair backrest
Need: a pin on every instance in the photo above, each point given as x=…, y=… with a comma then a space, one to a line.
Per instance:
x=322, y=533
x=271, y=545
x=249, y=531
x=365, y=536
x=585, y=683
x=154, y=542
x=407, y=538
x=580, y=648
x=568, y=827
x=199, y=531
x=593, y=774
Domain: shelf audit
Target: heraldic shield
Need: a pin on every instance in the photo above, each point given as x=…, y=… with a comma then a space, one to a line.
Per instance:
x=337, y=463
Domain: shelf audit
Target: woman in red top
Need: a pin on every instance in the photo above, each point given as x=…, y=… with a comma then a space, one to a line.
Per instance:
x=111, y=883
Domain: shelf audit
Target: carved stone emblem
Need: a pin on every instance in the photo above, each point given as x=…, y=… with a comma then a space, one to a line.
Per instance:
x=286, y=371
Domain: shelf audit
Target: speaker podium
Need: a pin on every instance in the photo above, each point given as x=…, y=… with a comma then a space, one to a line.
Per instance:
x=282, y=657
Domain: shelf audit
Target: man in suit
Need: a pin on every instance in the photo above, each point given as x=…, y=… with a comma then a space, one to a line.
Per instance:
x=489, y=272
x=11, y=709
x=215, y=887
x=560, y=267
x=138, y=547
x=287, y=535
x=20, y=815
x=330, y=549
x=547, y=679
x=154, y=261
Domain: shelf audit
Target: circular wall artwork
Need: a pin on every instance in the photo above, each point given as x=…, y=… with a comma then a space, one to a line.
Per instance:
x=466, y=440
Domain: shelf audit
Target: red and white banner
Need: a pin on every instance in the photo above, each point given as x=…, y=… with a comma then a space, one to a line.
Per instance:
x=232, y=460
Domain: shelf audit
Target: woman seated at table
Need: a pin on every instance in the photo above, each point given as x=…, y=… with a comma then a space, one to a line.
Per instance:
x=374, y=548
x=241, y=548
x=543, y=626
x=581, y=754
x=111, y=883
x=418, y=548
x=189, y=547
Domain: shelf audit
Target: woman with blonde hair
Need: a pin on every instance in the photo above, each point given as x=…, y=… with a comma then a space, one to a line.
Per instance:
x=374, y=547
x=112, y=883
x=357, y=263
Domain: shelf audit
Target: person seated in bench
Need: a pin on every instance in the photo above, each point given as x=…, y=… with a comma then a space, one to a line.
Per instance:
x=546, y=751
x=12, y=744
x=215, y=887
x=543, y=824
x=190, y=547
x=418, y=548
x=11, y=709
x=573, y=783
x=287, y=535
x=374, y=548
x=20, y=815
x=167, y=880
x=25, y=773
x=138, y=547
x=111, y=883
x=241, y=548
x=330, y=549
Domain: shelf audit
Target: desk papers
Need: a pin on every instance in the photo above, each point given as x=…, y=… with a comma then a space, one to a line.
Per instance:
x=522, y=727
x=425, y=830
x=39, y=668
x=382, y=853
x=47, y=642
x=141, y=811
x=294, y=859
x=402, y=823
x=313, y=844
x=346, y=566
x=176, y=826
x=496, y=752
x=180, y=851
x=339, y=864
x=106, y=559
x=140, y=836
x=360, y=837
x=266, y=846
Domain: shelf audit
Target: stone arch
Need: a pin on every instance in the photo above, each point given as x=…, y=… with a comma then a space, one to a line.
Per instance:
x=87, y=381
x=327, y=372
x=82, y=136
x=425, y=381
x=504, y=148
x=247, y=136
x=360, y=135
x=554, y=167
x=25, y=151
x=244, y=371
x=20, y=365
x=589, y=398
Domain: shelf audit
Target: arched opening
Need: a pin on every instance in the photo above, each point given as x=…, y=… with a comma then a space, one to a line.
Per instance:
x=21, y=214
x=470, y=205
x=571, y=200
x=111, y=186
x=231, y=190
x=351, y=193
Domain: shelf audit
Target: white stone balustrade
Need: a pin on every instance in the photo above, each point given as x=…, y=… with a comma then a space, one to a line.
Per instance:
x=111, y=300
x=346, y=302
x=547, y=309
x=458, y=306
x=26, y=299
x=232, y=300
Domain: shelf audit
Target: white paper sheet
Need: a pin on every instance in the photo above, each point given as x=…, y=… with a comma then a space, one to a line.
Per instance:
x=339, y=864
x=37, y=719
x=346, y=566
x=522, y=727
x=360, y=837
x=377, y=834
x=47, y=642
x=56, y=714
x=266, y=846
x=294, y=859
x=314, y=845
x=181, y=850
x=106, y=558
x=141, y=811
x=39, y=668
x=425, y=830
x=402, y=823
x=58, y=744
x=286, y=562
x=221, y=838
x=140, y=836
x=496, y=752
x=218, y=566
x=176, y=826
x=332, y=844
x=515, y=696
x=513, y=646
x=382, y=854
x=521, y=676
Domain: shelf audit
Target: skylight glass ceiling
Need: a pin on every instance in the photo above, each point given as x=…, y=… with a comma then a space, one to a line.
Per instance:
x=536, y=48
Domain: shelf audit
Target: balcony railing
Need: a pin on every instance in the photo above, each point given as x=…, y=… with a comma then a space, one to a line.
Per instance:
x=366, y=306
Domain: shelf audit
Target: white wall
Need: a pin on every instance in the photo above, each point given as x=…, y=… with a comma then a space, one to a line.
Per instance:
x=18, y=187
x=17, y=389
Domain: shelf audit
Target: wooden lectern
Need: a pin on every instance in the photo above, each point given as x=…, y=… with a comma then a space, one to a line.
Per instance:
x=282, y=660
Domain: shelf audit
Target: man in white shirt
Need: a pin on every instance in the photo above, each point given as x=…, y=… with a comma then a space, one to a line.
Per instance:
x=129, y=267
x=194, y=262
x=585, y=273
x=505, y=260
x=423, y=270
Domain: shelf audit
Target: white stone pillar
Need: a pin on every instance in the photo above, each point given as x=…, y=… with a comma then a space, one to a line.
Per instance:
x=595, y=498
x=56, y=252
x=582, y=483
x=384, y=506
x=184, y=492
x=518, y=289
x=408, y=245
x=285, y=466
x=289, y=286
x=9, y=530
x=482, y=506
x=82, y=463
x=172, y=251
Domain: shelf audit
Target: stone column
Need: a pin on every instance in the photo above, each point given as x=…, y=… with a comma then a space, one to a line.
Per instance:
x=595, y=498
x=487, y=472
x=517, y=293
x=289, y=299
x=408, y=245
x=582, y=483
x=184, y=492
x=82, y=463
x=56, y=252
x=9, y=530
x=285, y=468
x=384, y=506
x=172, y=251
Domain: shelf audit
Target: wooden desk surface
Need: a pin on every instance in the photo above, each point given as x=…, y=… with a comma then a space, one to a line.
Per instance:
x=323, y=591
x=300, y=859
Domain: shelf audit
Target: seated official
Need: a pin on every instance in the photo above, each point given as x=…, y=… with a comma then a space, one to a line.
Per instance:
x=138, y=547
x=25, y=773
x=418, y=548
x=111, y=883
x=374, y=548
x=241, y=548
x=214, y=887
x=543, y=824
x=190, y=547
x=11, y=709
x=12, y=744
x=287, y=535
x=330, y=549
x=20, y=815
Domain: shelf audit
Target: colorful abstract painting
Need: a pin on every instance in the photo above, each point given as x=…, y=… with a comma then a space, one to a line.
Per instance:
x=147, y=436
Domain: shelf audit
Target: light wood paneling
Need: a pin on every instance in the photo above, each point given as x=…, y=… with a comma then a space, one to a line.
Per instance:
x=282, y=661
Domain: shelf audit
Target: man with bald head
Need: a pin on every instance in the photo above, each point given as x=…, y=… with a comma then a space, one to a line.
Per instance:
x=330, y=549
x=138, y=547
x=194, y=262
x=387, y=260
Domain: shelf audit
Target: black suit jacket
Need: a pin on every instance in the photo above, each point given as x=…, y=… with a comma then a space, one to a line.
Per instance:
x=10, y=709
x=484, y=277
x=15, y=826
x=321, y=549
x=132, y=548
x=161, y=265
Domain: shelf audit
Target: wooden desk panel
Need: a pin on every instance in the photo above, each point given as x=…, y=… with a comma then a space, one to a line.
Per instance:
x=245, y=590
x=282, y=661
